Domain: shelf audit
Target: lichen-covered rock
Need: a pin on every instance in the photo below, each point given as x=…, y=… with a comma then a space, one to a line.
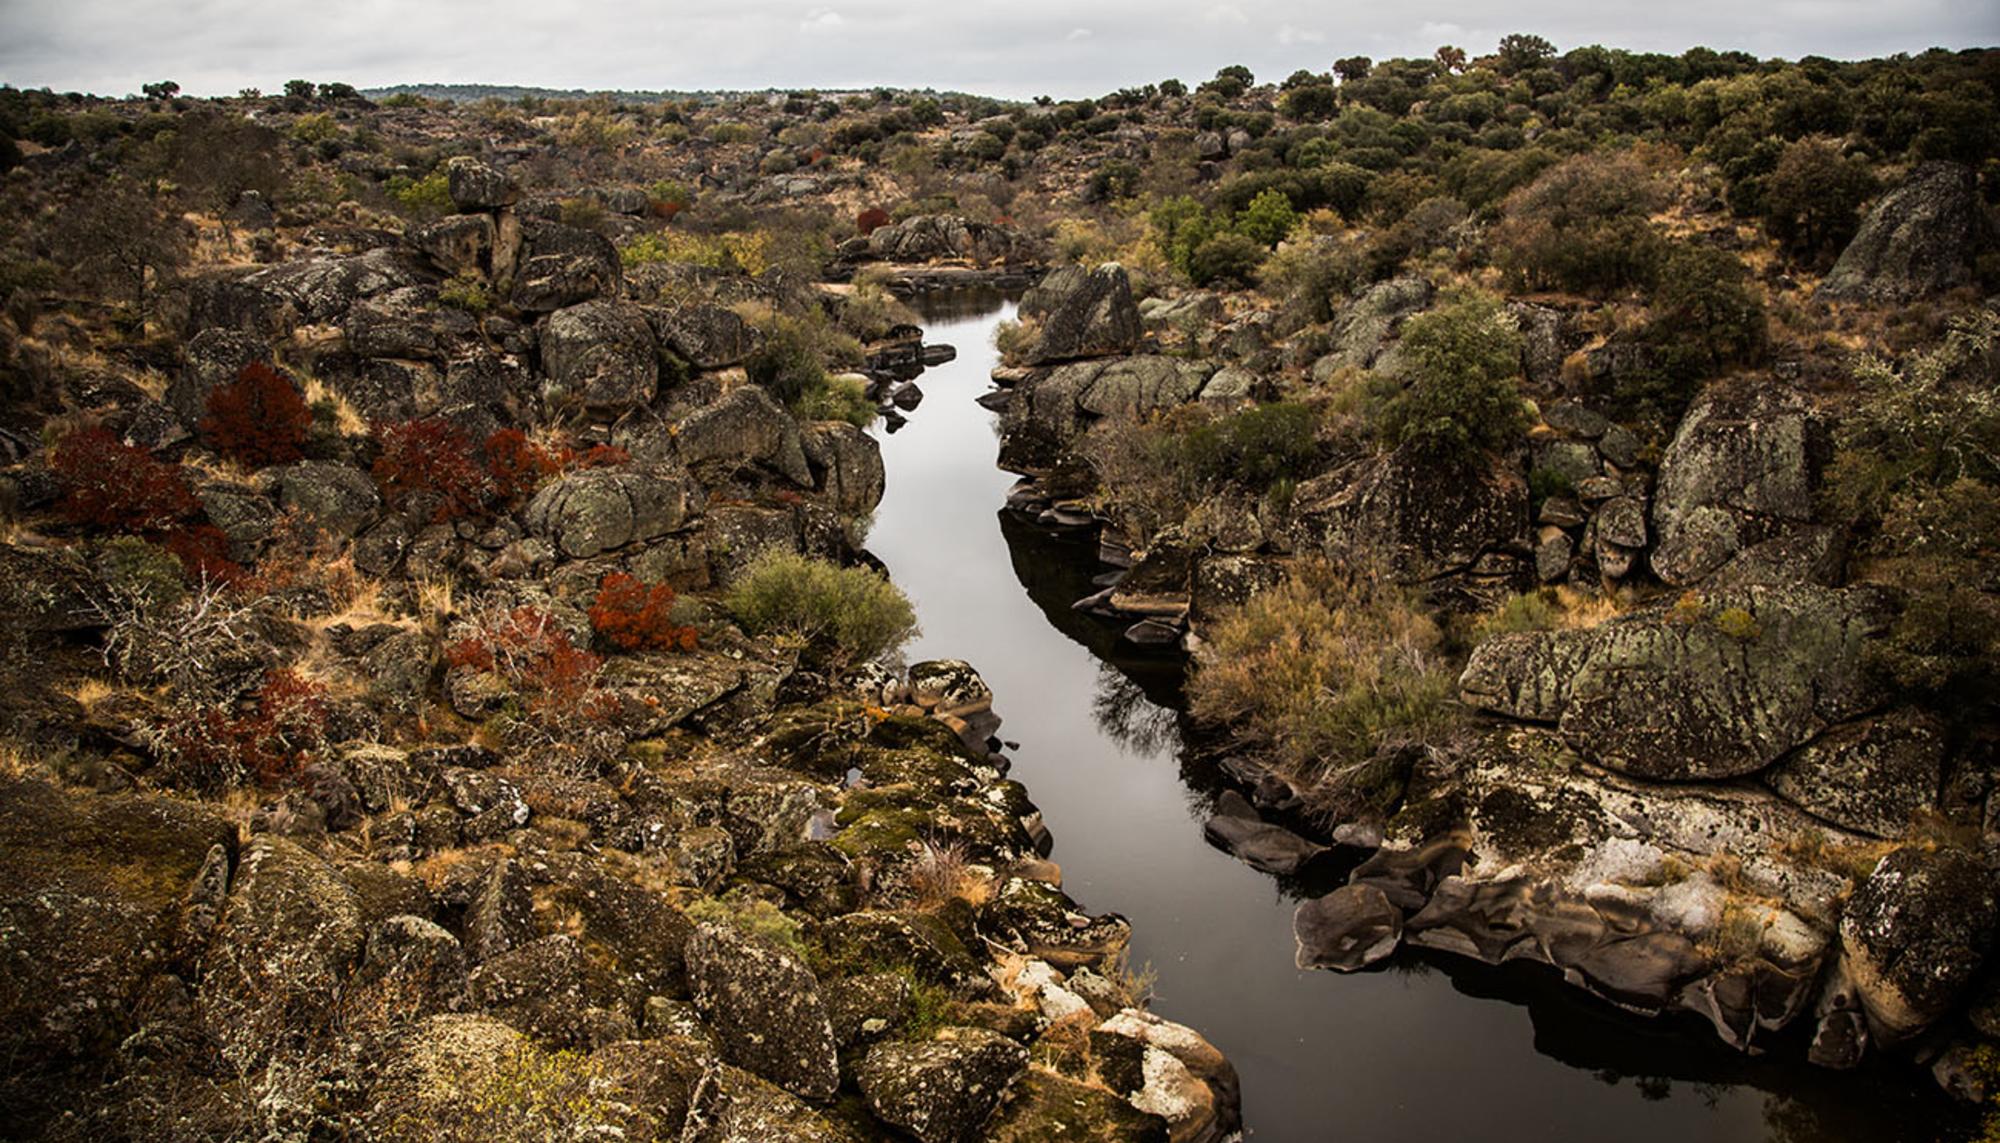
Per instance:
x=1363, y=328
x=1874, y=776
x=595, y=511
x=1764, y=671
x=288, y=935
x=1922, y=238
x=1524, y=674
x=1133, y=387
x=418, y=961
x=846, y=463
x=705, y=336
x=562, y=266
x=1042, y=1106
x=1171, y=1071
x=601, y=355
x=1428, y=519
x=1075, y=313
x=764, y=1006
x=475, y=186
x=744, y=426
x=1742, y=469
x=1914, y=935
x=1513, y=849
x=943, y=1090
x=459, y=245
x=99, y=894
x=949, y=686
x=339, y=498
x=930, y=237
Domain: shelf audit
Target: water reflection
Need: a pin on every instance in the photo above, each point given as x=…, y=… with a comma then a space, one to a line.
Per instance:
x=1424, y=1046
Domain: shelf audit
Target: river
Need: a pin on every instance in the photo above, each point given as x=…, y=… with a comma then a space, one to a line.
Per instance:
x=1424, y=1047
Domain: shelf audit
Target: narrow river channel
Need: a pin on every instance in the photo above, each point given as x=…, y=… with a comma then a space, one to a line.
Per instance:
x=1426, y=1048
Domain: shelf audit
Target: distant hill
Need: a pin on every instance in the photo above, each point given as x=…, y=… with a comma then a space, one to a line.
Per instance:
x=474, y=92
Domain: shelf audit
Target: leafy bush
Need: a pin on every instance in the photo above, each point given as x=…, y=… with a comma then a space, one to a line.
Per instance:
x=1322, y=670
x=426, y=466
x=1254, y=448
x=1459, y=365
x=1915, y=471
x=110, y=484
x=563, y=706
x=637, y=616
x=870, y=220
x=1268, y=218
x=259, y=419
x=1227, y=257
x=1707, y=317
x=1582, y=226
x=843, y=615
x=1812, y=200
x=426, y=197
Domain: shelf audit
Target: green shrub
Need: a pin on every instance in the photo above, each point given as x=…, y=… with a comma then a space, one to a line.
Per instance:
x=1459, y=364
x=1582, y=226
x=1255, y=448
x=842, y=398
x=1268, y=219
x=426, y=197
x=752, y=916
x=465, y=292
x=1707, y=317
x=843, y=615
x=1226, y=257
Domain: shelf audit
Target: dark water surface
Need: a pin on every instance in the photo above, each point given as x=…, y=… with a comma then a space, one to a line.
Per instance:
x=1425, y=1048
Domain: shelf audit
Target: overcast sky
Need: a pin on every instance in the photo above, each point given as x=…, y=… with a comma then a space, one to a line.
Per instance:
x=1064, y=48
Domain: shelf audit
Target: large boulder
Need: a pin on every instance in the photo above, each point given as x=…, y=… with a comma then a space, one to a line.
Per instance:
x=475, y=186
x=1914, y=936
x=1920, y=239
x=1133, y=387
x=743, y=427
x=289, y=933
x=589, y=513
x=1742, y=469
x=1075, y=313
x=562, y=266
x=931, y=237
x=1719, y=687
x=846, y=463
x=1874, y=776
x=1352, y=927
x=337, y=497
x=460, y=244
x=309, y=291
x=705, y=336
x=99, y=894
x=941, y=1091
x=764, y=1006
x=1425, y=519
x=1364, y=327
x=601, y=356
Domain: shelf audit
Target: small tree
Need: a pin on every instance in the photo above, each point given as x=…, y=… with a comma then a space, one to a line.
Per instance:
x=1268, y=218
x=1812, y=201
x=1459, y=368
x=160, y=92
x=260, y=418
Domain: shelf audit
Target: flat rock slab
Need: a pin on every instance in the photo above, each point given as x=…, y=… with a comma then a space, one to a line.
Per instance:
x=1350, y=928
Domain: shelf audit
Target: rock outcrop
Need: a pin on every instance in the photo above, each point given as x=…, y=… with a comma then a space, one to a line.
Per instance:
x=1922, y=238
x=1075, y=313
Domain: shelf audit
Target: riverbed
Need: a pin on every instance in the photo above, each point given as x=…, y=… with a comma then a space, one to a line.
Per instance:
x=1424, y=1047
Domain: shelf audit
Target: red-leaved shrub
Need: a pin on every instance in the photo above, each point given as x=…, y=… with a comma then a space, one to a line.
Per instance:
x=203, y=551
x=109, y=484
x=517, y=465
x=871, y=220
x=534, y=655
x=260, y=418
x=266, y=739
x=427, y=465
x=637, y=616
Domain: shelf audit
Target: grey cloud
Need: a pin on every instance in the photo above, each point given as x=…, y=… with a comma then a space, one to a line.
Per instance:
x=1023, y=48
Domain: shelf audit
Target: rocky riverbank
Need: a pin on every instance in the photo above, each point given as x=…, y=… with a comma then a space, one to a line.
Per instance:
x=452, y=797
x=1689, y=784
